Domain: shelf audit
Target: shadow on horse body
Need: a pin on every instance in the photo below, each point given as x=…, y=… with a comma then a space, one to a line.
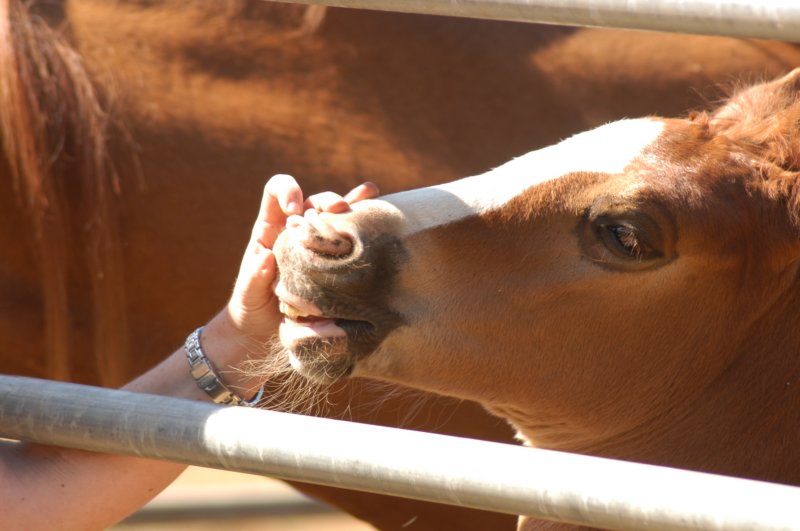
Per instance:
x=136, y=134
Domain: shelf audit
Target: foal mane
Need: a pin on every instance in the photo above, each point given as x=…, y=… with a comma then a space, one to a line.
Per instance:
x=54, y=139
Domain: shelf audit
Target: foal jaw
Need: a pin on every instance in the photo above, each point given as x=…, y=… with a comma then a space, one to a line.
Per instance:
x=334, y=286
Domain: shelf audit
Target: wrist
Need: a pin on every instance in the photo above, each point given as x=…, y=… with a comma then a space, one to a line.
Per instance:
x=227, y=349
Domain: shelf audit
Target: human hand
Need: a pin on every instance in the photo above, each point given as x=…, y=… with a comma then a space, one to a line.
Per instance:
x=253, y=307
x=252, y=317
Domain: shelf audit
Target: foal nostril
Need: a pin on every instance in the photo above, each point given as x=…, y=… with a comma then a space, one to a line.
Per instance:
x=337, y=247
x=324, y=240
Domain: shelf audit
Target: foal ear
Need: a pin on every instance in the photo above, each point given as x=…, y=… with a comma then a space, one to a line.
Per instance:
x=756, y=103
x=765, y=118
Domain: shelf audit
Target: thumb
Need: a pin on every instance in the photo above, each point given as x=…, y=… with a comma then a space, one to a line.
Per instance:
x=253, y=305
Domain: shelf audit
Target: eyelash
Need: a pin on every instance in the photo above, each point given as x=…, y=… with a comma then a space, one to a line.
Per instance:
x=625, y=240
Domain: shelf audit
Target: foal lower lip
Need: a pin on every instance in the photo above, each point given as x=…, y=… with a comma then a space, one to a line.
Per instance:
x=292, y=330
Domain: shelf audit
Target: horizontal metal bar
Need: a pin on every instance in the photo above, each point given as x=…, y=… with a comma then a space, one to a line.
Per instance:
x=499, y=477
x=768, y=19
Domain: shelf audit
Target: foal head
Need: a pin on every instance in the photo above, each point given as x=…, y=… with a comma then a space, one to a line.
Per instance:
x=581, y=290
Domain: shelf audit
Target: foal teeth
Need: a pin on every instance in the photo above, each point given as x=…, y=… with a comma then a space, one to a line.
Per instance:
x=291, y=312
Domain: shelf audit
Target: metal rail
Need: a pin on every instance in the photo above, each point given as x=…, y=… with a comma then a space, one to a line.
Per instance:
x=768, y=19
x=498, y=477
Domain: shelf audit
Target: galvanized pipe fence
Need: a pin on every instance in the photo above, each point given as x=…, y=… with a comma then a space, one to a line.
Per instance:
x=437, y=468
x=767, y=19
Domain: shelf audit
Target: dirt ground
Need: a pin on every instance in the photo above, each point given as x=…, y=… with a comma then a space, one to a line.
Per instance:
x=204, y=499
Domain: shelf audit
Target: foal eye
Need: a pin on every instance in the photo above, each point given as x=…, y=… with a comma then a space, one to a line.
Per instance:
x=626, y=236
x=627, y=242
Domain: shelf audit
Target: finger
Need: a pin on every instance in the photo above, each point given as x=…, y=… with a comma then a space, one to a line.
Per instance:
x=367, y=190
x=295, y=221
x=327, y=202
x=257, y=270
x=285, y=190
x=282, y=197
x=253, y=304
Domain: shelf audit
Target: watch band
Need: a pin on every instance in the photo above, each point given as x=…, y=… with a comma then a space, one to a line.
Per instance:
x=207, y=377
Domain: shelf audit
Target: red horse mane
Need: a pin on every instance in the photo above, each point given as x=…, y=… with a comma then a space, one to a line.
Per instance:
x=53, y=130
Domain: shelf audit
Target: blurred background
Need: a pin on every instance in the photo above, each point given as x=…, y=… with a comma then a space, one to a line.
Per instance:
x=206, y=499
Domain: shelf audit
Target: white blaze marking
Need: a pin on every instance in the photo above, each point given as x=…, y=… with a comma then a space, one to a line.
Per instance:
x=607, y=149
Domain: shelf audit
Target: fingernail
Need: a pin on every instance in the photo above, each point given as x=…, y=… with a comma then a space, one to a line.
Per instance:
x=293, y=207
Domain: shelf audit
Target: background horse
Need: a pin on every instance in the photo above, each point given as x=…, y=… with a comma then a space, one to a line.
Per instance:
x=631, y=292
x=136, y=133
